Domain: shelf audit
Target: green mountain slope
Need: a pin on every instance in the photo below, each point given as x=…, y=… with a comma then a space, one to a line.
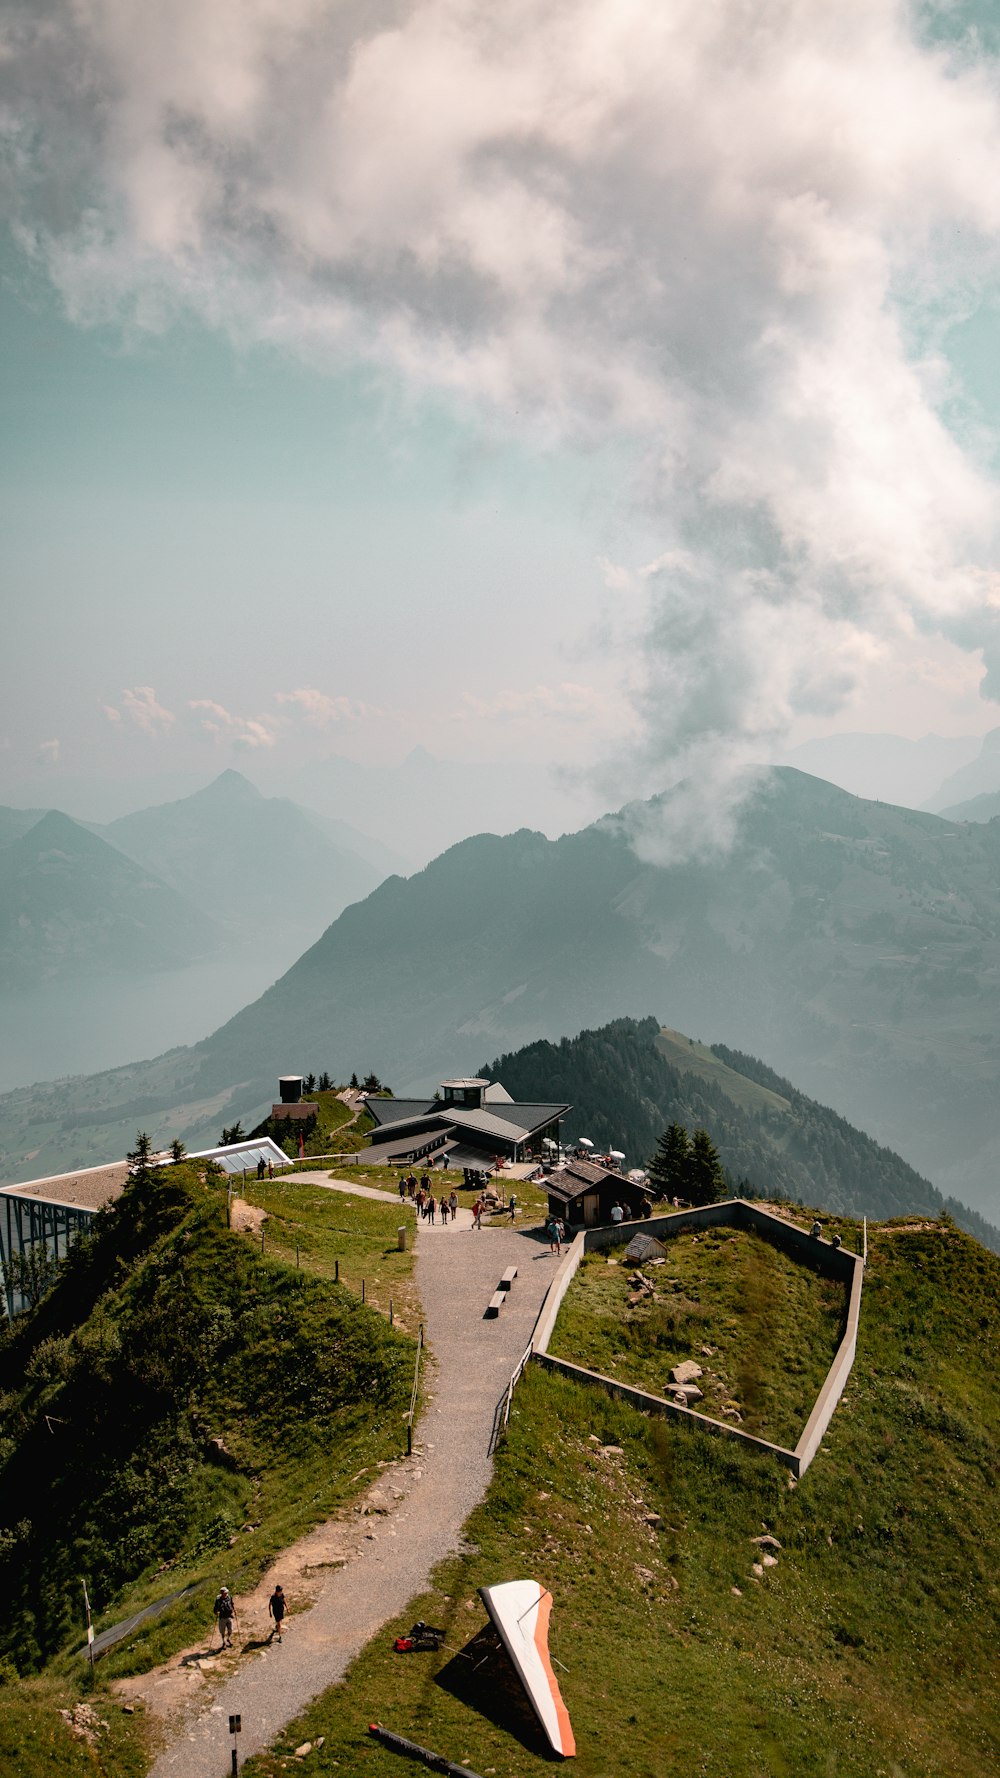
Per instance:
x=854, y=944
x=868, y=1649
x=630, y=1079
x=70, y=905
x=166, y=1331
x=260, y=864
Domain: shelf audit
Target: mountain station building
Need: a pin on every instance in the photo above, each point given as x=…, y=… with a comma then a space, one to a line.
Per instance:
x=469, y=1123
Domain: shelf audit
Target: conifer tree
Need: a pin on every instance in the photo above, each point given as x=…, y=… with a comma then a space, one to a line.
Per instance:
x=668, y=1168
x=705, y=1179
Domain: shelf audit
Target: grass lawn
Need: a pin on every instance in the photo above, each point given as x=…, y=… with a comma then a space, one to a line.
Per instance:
x=867, y=1651
x=36, y=1742
x=763, y=1328
x=333, y=1232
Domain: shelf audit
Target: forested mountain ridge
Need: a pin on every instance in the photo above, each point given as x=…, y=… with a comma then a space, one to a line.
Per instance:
x=773, y=1141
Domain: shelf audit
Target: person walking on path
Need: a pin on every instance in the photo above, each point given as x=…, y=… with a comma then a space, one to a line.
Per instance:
x=402, y=1187
x=453, y=1203
x=276, y=1609
x=421, y=1201
x=225, y=1612
x=477, y=1214
x=552, y=1230
x=431, y=1206
x=512, y=1205
x=617, y=1214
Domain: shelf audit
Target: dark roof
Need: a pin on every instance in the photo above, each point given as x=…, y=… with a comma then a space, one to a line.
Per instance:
x=527, y=1114
x=578, y=1177
x=393, y=1111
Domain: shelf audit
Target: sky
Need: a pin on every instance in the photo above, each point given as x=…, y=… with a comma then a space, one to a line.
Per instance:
x=585, y=383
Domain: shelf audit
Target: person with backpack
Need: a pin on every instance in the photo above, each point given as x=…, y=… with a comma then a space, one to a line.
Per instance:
x=276, y=1608
x=225, y=1612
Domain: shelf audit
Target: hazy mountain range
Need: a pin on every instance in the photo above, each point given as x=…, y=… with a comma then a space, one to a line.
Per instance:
x=854, y=945
x=72, y=905
x=166, y=886
x=887, y=768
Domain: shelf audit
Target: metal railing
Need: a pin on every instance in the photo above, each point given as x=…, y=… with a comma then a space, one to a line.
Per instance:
x=501, y=1413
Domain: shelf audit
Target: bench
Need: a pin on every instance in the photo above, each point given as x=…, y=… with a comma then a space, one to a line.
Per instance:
x=495, y=1304
x=508, y=1278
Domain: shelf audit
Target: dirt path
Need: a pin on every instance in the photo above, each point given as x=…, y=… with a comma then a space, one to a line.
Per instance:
x=373, y=1561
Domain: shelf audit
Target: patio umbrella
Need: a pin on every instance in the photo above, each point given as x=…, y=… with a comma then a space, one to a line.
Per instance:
x=584, y=1142
x=616, y=1154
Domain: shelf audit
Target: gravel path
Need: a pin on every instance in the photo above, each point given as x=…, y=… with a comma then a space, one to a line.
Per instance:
x=457, y=1269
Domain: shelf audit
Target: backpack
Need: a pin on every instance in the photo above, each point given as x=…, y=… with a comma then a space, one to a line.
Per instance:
x=224, y=1606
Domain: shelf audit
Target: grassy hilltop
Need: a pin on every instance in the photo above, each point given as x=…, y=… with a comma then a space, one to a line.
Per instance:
x=867, y=1651
x=164, y=1332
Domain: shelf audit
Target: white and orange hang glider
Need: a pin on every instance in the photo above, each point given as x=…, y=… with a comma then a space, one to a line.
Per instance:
x=520, y=1610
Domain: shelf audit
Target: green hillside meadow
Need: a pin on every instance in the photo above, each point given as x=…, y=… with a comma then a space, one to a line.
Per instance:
x=163, y=1332
x=867, y=1651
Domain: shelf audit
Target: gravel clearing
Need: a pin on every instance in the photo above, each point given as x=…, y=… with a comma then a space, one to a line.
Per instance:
x=457, y=1270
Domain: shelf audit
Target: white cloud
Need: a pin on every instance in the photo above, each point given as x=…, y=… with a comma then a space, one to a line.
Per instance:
x=48, y=752
x=245, y=733
x=720, y=232
x=111, y=713
x=144, y=709
x=321, y=710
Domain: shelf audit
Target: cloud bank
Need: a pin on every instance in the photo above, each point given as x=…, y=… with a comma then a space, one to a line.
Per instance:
x=733, y=236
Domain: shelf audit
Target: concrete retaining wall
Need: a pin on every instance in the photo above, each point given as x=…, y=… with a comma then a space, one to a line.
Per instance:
x=655, y=1404
x=820, y=1255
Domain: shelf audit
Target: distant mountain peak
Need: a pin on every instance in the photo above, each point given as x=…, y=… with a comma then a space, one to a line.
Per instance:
x=231, y=786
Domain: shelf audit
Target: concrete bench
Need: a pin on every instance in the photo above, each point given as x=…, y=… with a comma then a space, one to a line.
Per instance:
x=508, y=1278
x=495, y=1304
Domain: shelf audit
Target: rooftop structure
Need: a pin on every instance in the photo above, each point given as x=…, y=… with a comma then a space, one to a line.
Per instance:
x=475, y=1125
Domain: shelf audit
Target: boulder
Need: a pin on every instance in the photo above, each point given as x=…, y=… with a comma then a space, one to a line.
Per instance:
x=686, y=1372
x=769, y=1561
x=689, y=1391
x=767, y=1542
x=306, y=1747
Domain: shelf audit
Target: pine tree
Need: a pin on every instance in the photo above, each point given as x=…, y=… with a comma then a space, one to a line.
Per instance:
x=668, y=1168
x=705, y=1179
x=355, y=1082
x=325, y=1082
x=234, y=1133
x=177, y=1149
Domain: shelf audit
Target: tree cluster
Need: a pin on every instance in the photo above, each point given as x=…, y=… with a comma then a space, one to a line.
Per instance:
x=688, y=1167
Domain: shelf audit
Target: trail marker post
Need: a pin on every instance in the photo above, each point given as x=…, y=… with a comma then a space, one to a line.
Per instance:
x=235, y=1725
x=90, y=1627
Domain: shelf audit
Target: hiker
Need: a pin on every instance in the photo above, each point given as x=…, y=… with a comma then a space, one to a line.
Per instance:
x=411, y=1187
x=425, y=1181
x=431, y=1206
x=276, y=1610
x=225, y=1612
x=270, y=1169
x=453, y=1203
x=421, y=1201
x=477, y=1214
x=552, y=1230
x=512, y=1205
x=402, y=1187
x=260, y=1166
